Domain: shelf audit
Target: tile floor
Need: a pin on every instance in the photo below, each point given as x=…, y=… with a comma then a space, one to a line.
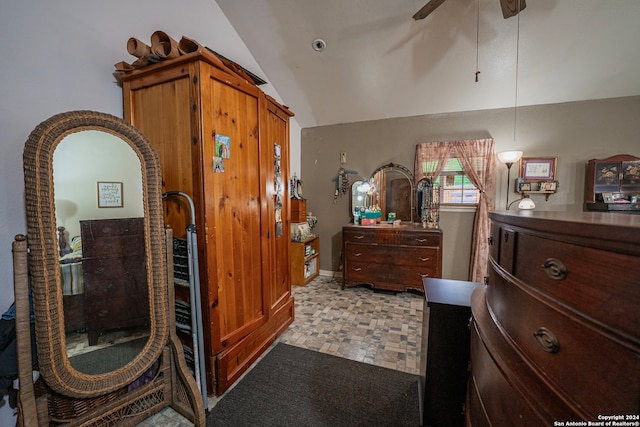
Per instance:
x=382, y=329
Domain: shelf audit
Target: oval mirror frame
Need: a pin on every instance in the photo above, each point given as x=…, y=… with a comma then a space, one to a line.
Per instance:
x=45, y=284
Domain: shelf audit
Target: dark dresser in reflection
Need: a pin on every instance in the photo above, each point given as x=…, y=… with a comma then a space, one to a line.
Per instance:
x=444, y=360
x=115, y=275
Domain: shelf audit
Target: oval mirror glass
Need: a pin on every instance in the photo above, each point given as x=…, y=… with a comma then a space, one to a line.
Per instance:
x=362, y=196
x=396, y=192
x=99, y=217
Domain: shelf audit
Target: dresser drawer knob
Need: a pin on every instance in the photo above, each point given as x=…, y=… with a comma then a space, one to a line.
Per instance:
x=359, y=237
x=425, y=259
x=421, y=240
x=423, y=275
x=356, y=269
x=555, y=268
x=547, y=340
x=357, y=254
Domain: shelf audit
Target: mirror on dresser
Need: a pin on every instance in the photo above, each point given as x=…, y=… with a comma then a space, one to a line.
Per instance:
x=389, y=190
x=99, y=277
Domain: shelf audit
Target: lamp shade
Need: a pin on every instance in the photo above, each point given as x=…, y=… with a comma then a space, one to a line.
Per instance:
x=526, y=203
x=509, y=157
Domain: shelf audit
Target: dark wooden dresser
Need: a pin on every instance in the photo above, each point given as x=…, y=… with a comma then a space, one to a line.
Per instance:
x=115, y=275
x=390, y=257
x=556, y=330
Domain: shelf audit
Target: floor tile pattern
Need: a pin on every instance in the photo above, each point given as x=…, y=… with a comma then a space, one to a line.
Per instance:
x=378, y=328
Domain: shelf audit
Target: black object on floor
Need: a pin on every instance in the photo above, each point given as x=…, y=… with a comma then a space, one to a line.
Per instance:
x=292, y=386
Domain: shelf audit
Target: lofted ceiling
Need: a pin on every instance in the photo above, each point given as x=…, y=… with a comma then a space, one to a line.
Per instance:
x=380, y=63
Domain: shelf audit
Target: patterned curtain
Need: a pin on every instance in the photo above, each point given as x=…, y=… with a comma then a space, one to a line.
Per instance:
x=431, y=157
x=478, y=161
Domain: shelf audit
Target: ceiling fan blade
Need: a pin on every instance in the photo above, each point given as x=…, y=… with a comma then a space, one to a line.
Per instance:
x=427, y=9
x=512, y=7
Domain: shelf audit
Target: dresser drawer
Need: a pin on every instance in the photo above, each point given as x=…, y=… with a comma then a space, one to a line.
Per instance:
x=371, y=272
x=391, y=255
x=603, y=285
x=112, y=236
x=114, y=312
x=122, y=269
x=492, y=400
x=391, y=235
x=597, y=372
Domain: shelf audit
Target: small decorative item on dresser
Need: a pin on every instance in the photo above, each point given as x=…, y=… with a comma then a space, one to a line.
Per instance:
x=611, y=183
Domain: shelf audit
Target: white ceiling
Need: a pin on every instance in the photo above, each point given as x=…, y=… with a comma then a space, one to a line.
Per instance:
x=379, y=63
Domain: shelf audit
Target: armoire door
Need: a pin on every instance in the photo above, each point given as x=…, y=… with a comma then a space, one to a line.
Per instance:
x=232, y=176
x=276, y=136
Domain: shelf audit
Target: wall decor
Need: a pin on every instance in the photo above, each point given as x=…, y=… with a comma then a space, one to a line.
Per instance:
x=223, y=146
x=110, y=195
x=222, y=150
x=277, y=187
x=538, y=168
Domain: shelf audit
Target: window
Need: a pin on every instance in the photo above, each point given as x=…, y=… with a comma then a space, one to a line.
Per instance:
x=454, y=186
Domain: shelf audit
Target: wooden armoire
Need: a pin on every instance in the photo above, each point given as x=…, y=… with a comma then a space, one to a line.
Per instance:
x=225, y=143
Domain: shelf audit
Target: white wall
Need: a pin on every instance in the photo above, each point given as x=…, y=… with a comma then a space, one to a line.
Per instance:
x=76, y=174
x=59, y=56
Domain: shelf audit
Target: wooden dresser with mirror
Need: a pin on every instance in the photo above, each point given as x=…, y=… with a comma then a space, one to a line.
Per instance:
x=395, y=252
x=121, y=378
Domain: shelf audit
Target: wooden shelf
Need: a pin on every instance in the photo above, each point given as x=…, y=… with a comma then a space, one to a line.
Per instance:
x=305, y=261
x=546, y=193
x=535, y=187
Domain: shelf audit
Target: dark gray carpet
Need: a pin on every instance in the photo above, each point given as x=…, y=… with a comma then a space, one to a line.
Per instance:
x=292, y=386
x=109, y=358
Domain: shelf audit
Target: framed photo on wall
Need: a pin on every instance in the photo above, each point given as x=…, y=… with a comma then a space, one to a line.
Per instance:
x=538, y=168
x=110, y=195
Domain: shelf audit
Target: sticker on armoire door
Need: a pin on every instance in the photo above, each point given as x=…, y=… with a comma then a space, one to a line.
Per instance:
x=222, y=151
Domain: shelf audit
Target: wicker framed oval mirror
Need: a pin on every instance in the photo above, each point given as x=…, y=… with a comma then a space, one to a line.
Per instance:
x=46, y=246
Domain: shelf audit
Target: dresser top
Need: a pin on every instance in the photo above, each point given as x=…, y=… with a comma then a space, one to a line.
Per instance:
x=403, y=226
x=448, y=292
x=611, y=231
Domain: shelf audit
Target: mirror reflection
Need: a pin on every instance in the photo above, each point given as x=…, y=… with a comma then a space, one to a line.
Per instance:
x=99, y=218
x=395, y=192
x=362, y=195
x=388, y=195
